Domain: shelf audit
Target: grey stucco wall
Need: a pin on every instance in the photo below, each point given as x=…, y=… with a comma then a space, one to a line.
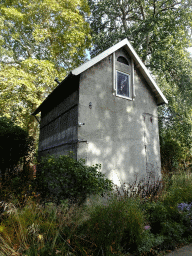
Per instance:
x=122, y=135
x=58, y=129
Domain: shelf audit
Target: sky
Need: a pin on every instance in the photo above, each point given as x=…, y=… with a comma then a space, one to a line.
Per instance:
x=190, y=50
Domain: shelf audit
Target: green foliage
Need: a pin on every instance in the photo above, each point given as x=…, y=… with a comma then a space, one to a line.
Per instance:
x=37, y=229
x=173, y=233
x=175, y=135
x=179, y=189
x=111, y=225
x=63, y=177
x=16, y=146
x=40, y=40
x=119, y=222
x=157, y=215
x=164, y=218
x=150, y=241
x=151, y=26
x=171, y=152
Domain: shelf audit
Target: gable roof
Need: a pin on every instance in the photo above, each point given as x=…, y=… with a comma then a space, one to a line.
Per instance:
x=138, y=63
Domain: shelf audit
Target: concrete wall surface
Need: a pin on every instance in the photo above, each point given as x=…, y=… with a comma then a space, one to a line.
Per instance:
x=120, y=134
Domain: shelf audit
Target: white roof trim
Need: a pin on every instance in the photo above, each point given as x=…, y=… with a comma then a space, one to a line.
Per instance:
x=125, y=43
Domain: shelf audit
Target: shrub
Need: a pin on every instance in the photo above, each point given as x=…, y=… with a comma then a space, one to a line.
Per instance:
x=171, y=152
x=157, y=215
x=62, y=177
x=15, y=146
x=150, y=243
x=166, y=221
x=185, y=210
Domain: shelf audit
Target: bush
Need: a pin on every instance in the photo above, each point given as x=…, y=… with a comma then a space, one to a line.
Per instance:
x=157, y=215
x=150, y=243
x=15, y=146
x=167, y=222
x=62, y=177
x=171, y=153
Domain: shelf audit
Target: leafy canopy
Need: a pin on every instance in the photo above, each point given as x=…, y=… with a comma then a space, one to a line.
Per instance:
x=40, y=40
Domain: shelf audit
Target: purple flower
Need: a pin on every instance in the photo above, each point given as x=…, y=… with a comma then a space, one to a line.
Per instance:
x=184, y=206
x=147, y=227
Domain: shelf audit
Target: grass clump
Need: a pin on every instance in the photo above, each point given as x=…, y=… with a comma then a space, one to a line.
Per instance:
x=36, y=229
x=117, y=226
x=178, y=188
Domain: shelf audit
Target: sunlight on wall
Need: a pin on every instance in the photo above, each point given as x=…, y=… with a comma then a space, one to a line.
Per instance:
x=143, y=152
x=156, y=148
x=107, y=114
x=102, y=95
x=93, y=149
x=115, y=178
x=131, y=170
x=121, y=156
x=107, y=152
x=108, y=138
x=129, y=109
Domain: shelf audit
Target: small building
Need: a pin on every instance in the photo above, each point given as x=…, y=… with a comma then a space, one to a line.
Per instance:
x=105, y=111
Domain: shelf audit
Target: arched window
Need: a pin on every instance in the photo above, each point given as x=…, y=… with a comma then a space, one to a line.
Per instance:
x=123, y=60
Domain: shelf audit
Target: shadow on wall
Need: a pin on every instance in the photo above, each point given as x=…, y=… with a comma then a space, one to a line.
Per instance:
x=121, y=135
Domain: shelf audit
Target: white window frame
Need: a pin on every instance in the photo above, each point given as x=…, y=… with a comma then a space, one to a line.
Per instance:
x=129, y=80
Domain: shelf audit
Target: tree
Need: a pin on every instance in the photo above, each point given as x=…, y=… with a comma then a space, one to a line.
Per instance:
x=160, y=31
x=40, y=40
x=15, y=146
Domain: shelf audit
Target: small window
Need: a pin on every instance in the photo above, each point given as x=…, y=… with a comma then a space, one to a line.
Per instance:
x=122, y=60
x=123, y=84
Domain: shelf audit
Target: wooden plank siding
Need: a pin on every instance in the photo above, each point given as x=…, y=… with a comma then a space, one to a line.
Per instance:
x=58, y=130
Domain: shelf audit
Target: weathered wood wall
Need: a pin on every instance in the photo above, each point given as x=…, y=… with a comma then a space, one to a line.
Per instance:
x=58, y=130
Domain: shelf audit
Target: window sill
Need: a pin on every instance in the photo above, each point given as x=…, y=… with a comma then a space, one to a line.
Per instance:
x=124, y=97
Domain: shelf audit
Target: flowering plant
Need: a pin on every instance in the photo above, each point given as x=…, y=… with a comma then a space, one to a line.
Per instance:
x=186, y=208
x=147, y=227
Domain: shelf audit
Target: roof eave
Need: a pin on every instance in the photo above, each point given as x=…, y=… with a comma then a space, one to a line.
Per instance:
x=161, y=99
x=50, y=95
x=139, y=64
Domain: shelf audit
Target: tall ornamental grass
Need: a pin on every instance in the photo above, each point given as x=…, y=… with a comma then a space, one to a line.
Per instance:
x=50, y=230
x=116, y=225
x=38, y=230
x=177, y=189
